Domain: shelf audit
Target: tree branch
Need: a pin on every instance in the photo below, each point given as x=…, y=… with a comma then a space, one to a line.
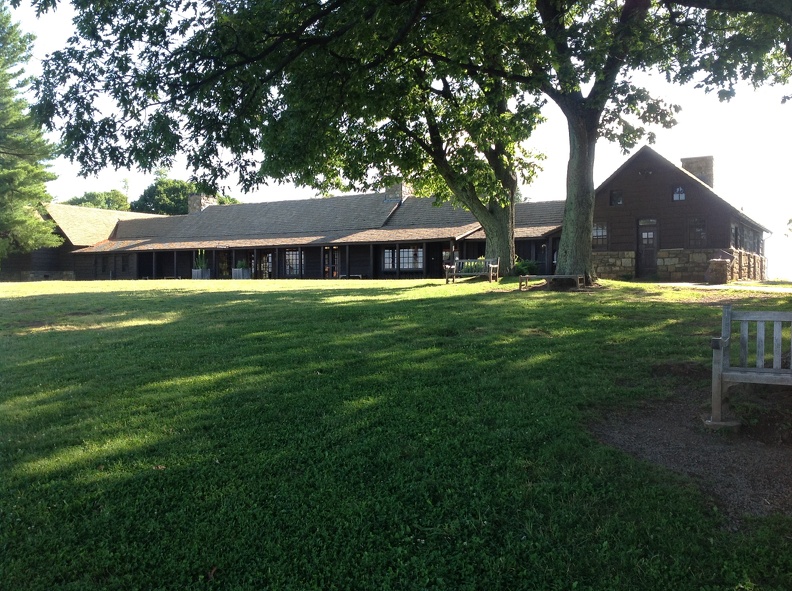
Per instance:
x=778, y=8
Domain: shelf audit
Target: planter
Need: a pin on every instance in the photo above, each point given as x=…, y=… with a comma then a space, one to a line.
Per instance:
x=201, y=274
x=240, y=273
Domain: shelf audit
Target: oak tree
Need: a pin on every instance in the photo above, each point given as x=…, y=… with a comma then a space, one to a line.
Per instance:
x=112, y=199
x=351, y=92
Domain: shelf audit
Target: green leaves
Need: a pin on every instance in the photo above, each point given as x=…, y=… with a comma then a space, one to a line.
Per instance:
x=165, y=196
x=23, y=151
x=113, y=199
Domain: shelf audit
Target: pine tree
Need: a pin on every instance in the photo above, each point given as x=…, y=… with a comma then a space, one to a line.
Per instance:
x=23, y=151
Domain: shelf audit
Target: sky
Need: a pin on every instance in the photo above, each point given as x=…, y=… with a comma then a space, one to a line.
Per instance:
x=748, y=137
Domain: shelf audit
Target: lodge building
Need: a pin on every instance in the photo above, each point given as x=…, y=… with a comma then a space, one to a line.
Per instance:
x=651, y=219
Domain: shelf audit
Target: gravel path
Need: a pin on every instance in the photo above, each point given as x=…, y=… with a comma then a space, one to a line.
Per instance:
x=746, y=472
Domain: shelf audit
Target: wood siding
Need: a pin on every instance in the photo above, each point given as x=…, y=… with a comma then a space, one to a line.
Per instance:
x=645, y=187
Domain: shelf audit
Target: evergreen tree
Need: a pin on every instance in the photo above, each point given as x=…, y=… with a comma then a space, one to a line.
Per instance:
x=23, y=151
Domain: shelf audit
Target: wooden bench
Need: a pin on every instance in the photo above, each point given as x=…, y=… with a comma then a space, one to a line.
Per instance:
x=524, y=279
x=753, y=367
x=473, y=268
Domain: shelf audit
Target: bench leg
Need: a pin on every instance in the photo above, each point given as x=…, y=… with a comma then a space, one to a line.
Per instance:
x=719, y=388
x=717, y=395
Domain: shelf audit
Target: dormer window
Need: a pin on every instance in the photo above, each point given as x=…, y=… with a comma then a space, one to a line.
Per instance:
x=679, y=194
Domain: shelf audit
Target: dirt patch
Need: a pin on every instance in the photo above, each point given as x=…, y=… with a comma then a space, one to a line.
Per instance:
x=745, y=471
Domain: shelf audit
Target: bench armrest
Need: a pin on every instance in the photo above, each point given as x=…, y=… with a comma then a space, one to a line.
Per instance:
x=720, y=343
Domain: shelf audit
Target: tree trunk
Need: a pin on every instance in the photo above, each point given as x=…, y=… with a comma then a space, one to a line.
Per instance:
x=496, y=219
x=498, y=226
x=574, y=253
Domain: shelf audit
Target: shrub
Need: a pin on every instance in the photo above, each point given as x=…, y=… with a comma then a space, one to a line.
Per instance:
x=524, y=267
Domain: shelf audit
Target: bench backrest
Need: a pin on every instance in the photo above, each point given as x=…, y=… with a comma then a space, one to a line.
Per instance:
x=763, y=336
x=474, y=265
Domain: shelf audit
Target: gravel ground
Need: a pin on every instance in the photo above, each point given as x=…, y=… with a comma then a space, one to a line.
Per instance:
x=747, y=472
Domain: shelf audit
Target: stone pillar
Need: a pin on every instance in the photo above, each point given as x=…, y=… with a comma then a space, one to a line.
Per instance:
x=717, y=272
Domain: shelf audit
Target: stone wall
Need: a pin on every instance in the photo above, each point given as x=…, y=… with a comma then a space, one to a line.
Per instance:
x=614, y=264
x=747, y=266
x=682, y=264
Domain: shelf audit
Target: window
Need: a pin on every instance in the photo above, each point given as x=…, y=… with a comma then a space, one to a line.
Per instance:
x=616, y=198
x=294, y=260
x=679, y=194
x=599, y=236
x=410, y=258
x=697, y=233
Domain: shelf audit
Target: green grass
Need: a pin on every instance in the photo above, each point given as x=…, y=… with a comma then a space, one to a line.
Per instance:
x=352, y=435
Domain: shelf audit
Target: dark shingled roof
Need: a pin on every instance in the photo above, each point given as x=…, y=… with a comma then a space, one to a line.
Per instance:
x=84, y=226
x=534, y=219
x=369, y=218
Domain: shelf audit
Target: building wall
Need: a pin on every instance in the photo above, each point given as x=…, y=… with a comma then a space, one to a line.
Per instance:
x=40, y=265
x=679, y=264
x=359, y=260
x=646, y=188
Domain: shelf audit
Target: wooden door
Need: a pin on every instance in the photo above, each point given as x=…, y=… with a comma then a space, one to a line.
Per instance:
x=646, y=257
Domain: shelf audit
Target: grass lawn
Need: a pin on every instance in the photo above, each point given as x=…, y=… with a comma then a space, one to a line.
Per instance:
x=353, y=435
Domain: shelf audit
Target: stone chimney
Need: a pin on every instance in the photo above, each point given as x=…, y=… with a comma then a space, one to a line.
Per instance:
x=397, y=192
x=701, y=167
x=197, y=202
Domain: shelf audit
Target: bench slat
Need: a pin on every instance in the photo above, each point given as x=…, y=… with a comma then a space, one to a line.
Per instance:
x=777, y=345
x=767, y=316
x=775, y=378
x=760, y=344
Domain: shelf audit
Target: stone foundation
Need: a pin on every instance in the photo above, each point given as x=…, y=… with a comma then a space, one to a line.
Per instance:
x=614, y=264
x=682, y=264
x=48, y=276
x=747, y=266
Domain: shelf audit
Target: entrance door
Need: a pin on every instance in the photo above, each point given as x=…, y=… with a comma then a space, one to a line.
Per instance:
x=332, y=257
x=646, y=257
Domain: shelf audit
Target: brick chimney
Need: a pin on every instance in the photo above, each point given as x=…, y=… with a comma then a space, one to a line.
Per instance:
x=197, y=202
x=701, y=167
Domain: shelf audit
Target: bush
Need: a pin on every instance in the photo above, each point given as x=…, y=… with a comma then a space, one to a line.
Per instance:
x=523, y=267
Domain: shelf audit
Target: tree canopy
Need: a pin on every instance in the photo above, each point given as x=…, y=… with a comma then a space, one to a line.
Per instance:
x=359, y=92
x=112, y=199
x=170, y=196
x=23, y=151
x=165, y=196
